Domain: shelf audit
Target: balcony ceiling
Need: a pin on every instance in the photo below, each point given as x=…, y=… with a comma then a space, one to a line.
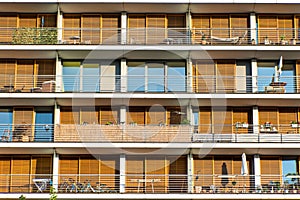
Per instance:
x=146, y=7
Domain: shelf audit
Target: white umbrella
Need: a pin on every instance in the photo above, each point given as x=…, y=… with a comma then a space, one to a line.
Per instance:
x=279, y=68
x=244, y=168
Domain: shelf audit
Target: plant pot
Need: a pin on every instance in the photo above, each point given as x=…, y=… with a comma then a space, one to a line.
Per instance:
x=294, y=125
x=203, y=42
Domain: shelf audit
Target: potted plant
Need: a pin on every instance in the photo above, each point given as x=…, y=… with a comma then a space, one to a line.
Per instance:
x=109, y=123
x=294, y=124
x=267, y=41
x=203, y=39
x=283, y=40
x=185, y=121
x=267, y=125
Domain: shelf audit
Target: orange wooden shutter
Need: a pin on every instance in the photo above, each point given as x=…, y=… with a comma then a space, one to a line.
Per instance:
x=267, y=26
x=220, y=26
x=41, y=165
x=89, y=169
x=270, y=166
x=5, y=167
x=28, y=21
x=205, y=120
x=108, y=115
x=156, y=115
x=136, y=114
x=49, y=20
x=268, y=115
x=204, y=76
x=7, y=25
x=156, y=28
x=239, y=24
x=89, y=115
x=68, y=168
x=8, y=72
x=25, y=75
x=91, y=29
x=222, y=120
x=203, y=171
x=286, y=116
x=285, y=25
x=110, y=29
x=241, y=115
x=178, y=170
x=134, y=170
x=71, y=25
x=20, y=174
x=225, y=71
x=69, y=115
x=108, y=168
x=155, y=168
x=45, y=69
x=23, y=116
x=137, y=31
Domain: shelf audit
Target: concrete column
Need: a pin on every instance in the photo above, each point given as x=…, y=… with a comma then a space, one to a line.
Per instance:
x=189, y=76
x=122, y=173
x=257, y=172
x=255, y=120
x=123, y=114
x=190, y=170
x=253, y=28
x=254, y=75
x=59, y=25
x=58, y=79
x=55, y=170
x=189, y=25
x=123, y=77
x=123, y=28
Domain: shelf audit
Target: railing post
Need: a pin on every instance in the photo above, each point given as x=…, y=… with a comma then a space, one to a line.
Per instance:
x=55, y=170
x=122, y=173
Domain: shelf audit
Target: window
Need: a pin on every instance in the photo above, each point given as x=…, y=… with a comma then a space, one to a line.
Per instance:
x=267, y=74
x=156, y=76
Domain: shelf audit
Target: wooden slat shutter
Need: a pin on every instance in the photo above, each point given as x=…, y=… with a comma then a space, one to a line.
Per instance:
x=156, y=28
x=137, y=32
x=7, y=25
x=204, y=76
x=270, y=169
x=156, y=115
x=201, y=25
x=222, y=120
x=28, y=21
x=135, y=169
x=109, y=171
x=5, y=167
x=89, y=169
x=205, y=120
x=241, y=115
x=110, y=29
x=91, y=29
x=286, y=115
x=267, y=28
x=298, y=75
x=45, y=69
x=25, y=75
x=178, y=170
x=41, y=166
x=89, y=115
x=239, y=23
x=220, y=26
x=268, y=115
x=285, y=25
x=20, y=174
x=8, y=71
x=69, y=115
x=236, y=167
x=155, y=168
x=71, y=25
x=68, y=168
x=108, y=115
x=173, y=116
x=176, y=26
x=225, y=71
x=23, y=116
x=49, y=20
x=203, y=171
x=136, y=114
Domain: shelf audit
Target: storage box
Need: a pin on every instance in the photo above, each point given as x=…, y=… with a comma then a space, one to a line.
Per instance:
x=48, y=86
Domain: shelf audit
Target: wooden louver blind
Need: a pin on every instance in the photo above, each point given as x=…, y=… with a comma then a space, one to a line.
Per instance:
x=41, y=165
x=5, y=167
x=222, y=120
x=176, y=21
x=222, y=165
x=136, y=24
x=205, y=120
x=8, y=71
x=7, y=23
x=108, y=115
x=49, y=20
x=267, y=27
x=225, y=71
x=91, y=28
x=69, y=165
x=110, y=25
x=23, y=116
x=270, y=166
x=204, y=72
x=156, y=31
x=268, y=115
x=286, y=115
x=239, y=23
x=69, y=115
x=71, y=24
x=136, y=115
x=20, y=171
x=156, y=115
x=27, y=20
x=89, y=115
x=25, y=74
x=220, y=25
x=46, y=71
x=202, y=168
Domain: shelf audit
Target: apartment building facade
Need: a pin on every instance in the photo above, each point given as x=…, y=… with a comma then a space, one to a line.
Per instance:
x=138, y=99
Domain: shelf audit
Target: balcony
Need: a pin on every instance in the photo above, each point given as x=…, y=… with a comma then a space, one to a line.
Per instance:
x=147, y=84
x=149, y=183
x=149, y=36
x=96, y=133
